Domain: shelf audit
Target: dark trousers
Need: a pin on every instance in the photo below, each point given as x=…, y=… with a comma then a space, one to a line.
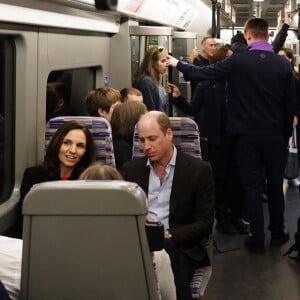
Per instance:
x=183, y=269
x=3, y=292
x=298, y=139
x=228, y=192
x=261, y=158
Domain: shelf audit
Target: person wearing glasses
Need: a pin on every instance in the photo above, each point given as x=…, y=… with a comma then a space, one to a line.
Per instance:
x=149, y=81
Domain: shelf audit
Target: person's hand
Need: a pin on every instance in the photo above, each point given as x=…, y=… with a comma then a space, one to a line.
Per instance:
x=288, y=17
x=173, y=90
x=295, y=122
x=172, y=61
x=168, y=235
x=194, y=53
x=150, y=219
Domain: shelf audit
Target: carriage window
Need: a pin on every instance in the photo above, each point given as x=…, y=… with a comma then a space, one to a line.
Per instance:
x=66, y=91
x=7, y=108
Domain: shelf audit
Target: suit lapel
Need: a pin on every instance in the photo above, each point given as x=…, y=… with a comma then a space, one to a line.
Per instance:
x=143, y=175
x=177, y=183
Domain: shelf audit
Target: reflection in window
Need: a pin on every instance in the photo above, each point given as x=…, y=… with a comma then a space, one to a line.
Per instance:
x=66, y=92
x=7, y=108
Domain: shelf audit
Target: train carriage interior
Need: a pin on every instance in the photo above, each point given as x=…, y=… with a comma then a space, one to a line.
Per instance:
x=83, y=45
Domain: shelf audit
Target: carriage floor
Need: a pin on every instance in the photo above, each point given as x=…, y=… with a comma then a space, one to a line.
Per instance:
x=241, y=275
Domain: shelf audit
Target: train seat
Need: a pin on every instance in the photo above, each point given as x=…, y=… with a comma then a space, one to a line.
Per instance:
x=10, y=265
x=101, y=132
x=186, y=138
x=86, y=240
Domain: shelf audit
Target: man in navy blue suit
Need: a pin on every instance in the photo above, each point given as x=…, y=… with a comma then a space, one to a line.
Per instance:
x=180, y=194
x=260, y=104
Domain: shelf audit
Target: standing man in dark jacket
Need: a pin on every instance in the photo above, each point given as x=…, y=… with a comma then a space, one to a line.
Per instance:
x=208, y=47
x=261, y=102
x=238, y=42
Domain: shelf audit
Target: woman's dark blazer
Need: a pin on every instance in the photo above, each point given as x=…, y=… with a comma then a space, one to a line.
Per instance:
x=32, y=176
x=35, y=175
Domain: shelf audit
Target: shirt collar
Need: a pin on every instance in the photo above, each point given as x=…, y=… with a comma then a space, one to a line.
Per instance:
x=172, y=161
x=260, y=45
x=203, y=59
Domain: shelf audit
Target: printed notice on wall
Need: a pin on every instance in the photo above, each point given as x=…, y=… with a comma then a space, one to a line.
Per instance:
x=170, y=12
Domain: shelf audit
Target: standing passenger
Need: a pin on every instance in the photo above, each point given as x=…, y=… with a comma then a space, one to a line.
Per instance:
x=101, y=102
x=283, y=26
x=239, y=43
x=149, y=82
x=288, y=54
x=208, y=47
x=180, y=195
x=261, y=103
x=210, y=97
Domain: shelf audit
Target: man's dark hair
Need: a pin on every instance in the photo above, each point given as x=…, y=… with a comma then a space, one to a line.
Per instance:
x=238, y=42
x=258, y=28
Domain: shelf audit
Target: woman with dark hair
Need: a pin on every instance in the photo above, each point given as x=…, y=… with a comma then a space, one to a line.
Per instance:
x=70, y=151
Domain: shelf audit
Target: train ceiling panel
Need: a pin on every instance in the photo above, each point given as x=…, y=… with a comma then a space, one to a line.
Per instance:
x=267, y=9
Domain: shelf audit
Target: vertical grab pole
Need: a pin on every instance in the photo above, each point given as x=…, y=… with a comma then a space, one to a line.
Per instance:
x=298, y=30
x=170, y=78
x=218, y=31
x=213, y=19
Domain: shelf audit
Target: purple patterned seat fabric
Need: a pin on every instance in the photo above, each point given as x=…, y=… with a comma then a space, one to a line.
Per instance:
x=101, y=132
